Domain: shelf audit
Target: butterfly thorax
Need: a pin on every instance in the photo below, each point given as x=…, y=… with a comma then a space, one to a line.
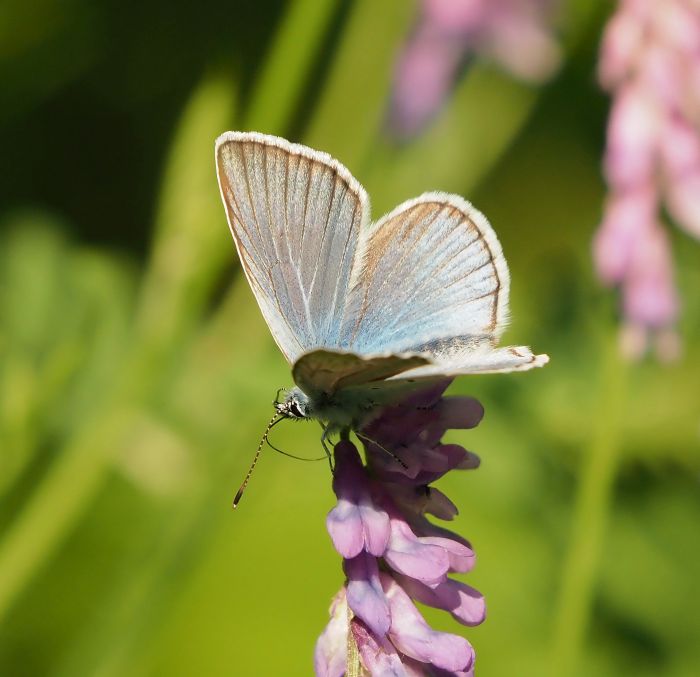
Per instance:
x=337, y=412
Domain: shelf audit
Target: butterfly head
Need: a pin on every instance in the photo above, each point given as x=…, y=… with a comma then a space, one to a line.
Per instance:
x=295, y=404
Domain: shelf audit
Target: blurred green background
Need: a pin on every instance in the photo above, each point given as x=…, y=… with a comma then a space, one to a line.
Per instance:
x=136, y=373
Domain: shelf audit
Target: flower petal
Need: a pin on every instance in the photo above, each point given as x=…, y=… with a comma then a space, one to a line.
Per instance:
x=628, y=215
x=439, y=505
x=684, y=202
x=375, y=528
x=355, y=523
x=424, y=75
x=344, y=524
x=365, y=594
x=378, y=655
x=460, y=412
x=650, y=296
x=331, y=647
x=466, y=604
x=417, y=669
x=411, y=635
x=423, y=499
x=633, y=133
x=461, y=557
x=409, y=555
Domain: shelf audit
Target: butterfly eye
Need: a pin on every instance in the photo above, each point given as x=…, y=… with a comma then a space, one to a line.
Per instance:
x=295, y=410
x=291, y=407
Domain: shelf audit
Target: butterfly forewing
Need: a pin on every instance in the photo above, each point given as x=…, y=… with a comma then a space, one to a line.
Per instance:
x=295, y=215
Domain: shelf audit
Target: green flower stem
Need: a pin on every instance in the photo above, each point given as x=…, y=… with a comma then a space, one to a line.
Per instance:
x=353, y=665
x=591, y=509
x=58, y=503
x=353, y=102
x=190, y=246
x=280, y=85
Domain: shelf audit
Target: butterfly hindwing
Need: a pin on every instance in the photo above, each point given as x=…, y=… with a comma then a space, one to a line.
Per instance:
x=431, y=269
x=486, y=361
x=433, y=280
x=325, y=372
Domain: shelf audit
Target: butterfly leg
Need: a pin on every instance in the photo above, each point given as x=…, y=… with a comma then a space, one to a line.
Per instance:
x=384, y=449
x=326, y=435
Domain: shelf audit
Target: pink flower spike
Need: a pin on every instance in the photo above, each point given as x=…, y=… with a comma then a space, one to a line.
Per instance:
x=365, y=595
x=331, y=647
x=355, y=523
x=650, y=61
x=411, y=635
x=392, y=638
x=516, y=34
x=424, y=76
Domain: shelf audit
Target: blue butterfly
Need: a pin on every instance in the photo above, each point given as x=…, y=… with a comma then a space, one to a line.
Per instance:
x=364, y=312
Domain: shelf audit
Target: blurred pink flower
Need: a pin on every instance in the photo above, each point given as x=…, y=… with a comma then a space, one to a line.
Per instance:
x=392, y=553
x=514, y=33
x=650, y=61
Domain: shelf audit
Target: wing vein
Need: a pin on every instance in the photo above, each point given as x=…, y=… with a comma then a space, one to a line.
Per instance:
x=385, y=281
x=323, y=237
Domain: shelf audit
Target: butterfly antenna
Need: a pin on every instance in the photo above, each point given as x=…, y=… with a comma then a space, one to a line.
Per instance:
x=275, y=419
x=286, y=453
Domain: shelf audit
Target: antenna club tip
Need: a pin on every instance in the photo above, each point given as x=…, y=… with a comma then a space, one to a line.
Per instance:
x=272, y=422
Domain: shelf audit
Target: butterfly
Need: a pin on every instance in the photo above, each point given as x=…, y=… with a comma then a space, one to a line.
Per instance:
x=363, y=312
